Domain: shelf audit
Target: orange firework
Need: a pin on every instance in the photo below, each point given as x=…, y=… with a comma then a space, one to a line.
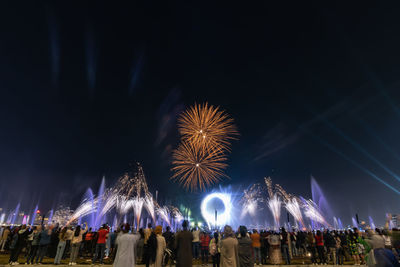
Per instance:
x=197, y=167
x=207, y=126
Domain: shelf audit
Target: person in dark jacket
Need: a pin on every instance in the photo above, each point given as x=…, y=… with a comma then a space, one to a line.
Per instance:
x=21, y=241
x=183, y=246
x=169, y=239
x=45, y=239
x=35, y=244
x=245, y=248
x=330, y=244
x=151, y=251
x=13, y=246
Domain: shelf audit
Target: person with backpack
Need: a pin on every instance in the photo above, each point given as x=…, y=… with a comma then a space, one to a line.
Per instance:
x=214, y=250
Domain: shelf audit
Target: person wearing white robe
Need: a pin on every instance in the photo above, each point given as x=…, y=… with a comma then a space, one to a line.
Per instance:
x=126, y=246
x=161, y=246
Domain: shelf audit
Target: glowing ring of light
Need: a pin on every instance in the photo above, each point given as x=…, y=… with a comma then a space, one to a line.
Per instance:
x=210, y=216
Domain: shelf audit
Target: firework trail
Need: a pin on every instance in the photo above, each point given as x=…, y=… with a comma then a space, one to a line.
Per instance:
x=268, y=182
x=283, y=193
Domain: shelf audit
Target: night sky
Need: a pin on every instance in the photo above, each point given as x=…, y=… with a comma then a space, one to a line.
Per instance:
x=87, y=90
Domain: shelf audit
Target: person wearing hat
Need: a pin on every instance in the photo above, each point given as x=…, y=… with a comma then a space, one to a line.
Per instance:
x=229, y=249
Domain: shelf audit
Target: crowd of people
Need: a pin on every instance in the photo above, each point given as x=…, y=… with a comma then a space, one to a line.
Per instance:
x=154, y=247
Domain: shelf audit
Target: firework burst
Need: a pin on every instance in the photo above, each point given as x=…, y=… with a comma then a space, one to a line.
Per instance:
x=207, y=126
x=195, y=167
x=200, y=159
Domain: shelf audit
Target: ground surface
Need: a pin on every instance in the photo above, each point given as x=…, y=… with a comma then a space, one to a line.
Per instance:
x=86, y=261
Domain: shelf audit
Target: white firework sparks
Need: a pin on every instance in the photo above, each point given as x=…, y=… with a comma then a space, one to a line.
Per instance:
x=249, y=207
x=313, y=213
x=164, y=214
x=150, y=207
x=251, y=198
x=293, y=207
x=110, y=202
x=123, y=205
x=274, y=205
x=137, y=207
x=62, y=215
x=87, y=207
x=130, y=193
x=178, y=217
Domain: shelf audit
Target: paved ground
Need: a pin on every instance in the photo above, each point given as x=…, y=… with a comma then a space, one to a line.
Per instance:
x=85, y=262
x=106, y=265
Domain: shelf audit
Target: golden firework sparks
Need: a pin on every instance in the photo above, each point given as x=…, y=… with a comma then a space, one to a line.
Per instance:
x=197, y=167
x=207, y=126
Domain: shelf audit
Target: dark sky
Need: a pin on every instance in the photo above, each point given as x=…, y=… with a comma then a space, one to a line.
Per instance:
x=88, y=89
